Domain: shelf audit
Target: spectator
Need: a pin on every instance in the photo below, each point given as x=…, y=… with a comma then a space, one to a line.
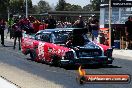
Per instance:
x=17, y=34
x=36, y=25
x=89, y=26
x=128, y=32
x=26, y=25
x=51, y=22
x=95, y=28
x=59, y=24
x=79, y=23
x=2, y=28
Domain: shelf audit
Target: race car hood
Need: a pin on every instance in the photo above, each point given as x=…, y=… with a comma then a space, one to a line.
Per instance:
x=89, y=45
x=94, y=45
x=88, y=49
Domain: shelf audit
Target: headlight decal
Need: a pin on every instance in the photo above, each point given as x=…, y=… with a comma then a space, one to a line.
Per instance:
x=100, y=48
x=70, y=55
x=75, y=56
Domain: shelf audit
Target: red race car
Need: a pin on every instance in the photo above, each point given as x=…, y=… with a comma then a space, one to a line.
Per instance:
x=65, y=46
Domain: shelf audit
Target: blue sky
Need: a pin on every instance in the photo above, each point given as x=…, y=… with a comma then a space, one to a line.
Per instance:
x=76, y=2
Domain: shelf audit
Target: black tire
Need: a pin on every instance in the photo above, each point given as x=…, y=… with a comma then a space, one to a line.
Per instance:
x=101, y=65
x=26, y=52
x=33, y=55
x=55, y=60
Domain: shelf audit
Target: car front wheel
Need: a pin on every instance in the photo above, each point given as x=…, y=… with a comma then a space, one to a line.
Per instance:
x=33, y=55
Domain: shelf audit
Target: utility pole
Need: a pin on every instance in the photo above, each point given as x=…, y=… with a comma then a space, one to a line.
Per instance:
x=8, y=9
x=110, y=13
x=26, y=9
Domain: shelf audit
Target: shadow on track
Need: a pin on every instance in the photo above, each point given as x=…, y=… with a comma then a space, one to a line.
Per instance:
x=6, y=46
x=91, y=67
x=75, y=67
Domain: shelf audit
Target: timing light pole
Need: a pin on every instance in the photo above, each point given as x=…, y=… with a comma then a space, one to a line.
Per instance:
x=110, y=13
x=26, y=9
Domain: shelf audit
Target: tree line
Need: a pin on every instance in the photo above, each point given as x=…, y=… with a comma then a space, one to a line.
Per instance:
x=18, y=7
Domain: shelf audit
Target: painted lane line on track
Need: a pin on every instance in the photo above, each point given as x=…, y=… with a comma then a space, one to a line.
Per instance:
x=4, y=83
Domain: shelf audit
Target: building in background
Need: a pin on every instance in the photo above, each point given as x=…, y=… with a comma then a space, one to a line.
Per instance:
x=119, y=14
x=121, y=9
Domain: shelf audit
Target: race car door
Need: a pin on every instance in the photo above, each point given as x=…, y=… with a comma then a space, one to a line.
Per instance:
x=44, y=46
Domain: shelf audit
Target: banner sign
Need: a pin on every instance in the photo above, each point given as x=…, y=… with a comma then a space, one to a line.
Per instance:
x=121, y=3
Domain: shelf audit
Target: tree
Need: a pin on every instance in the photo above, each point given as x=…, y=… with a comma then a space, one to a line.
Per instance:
x=3, y=4
x=30, y=6
x=76, y=8
x=35, y=10
x=14, y=6
x=61, y=5
x=3, y=8
x=87, y=7
x=43, y=6
x=68, y=7
x=95, y=5
x=19, y=6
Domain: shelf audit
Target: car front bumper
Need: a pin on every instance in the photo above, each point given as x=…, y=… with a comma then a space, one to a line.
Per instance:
x=88, y=60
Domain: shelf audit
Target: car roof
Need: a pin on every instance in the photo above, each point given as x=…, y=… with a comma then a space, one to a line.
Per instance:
x=56, y=30
x=73, y=30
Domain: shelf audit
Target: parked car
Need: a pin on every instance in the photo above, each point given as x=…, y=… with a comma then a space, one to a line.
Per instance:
x=65, y=46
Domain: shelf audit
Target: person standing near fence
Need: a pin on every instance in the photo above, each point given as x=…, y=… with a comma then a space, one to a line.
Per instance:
x=128, y=32
x=17, y=34
x=51, y=22
x=2, y=28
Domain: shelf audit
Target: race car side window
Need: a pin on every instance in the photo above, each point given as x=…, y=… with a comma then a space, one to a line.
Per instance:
x=46, y=37
x=38, y=37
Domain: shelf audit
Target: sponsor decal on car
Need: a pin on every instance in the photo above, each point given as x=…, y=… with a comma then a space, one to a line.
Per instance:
x=53, y=50
x=41, y=49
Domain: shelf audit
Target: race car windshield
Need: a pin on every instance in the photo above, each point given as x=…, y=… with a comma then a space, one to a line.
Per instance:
x=79, y=39
x=61, y=37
